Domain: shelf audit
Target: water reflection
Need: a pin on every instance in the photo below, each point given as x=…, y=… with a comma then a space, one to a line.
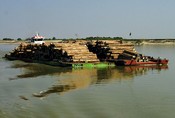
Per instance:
x=35, y=70
x=142, y=70
x=71, y=79
x=31, y=70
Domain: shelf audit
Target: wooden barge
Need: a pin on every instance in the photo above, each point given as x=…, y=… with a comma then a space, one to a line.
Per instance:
x=77, y=53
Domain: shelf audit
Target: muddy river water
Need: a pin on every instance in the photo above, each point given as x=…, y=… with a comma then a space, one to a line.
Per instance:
x=30, y=90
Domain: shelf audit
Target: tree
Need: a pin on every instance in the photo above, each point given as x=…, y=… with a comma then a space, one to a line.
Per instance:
x=8, y=39
x=19, y=39
x=53, y=38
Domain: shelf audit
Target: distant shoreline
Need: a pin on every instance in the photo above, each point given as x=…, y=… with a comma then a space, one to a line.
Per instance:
x=10, y=42
x=150, y=41
x=131, y=41
x=158, y=43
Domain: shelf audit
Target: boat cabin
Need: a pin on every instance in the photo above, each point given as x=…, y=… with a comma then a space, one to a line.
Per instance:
x=37, y=39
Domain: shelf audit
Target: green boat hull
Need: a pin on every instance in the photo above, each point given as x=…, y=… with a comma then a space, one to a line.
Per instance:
x=92, y=65
x=81, y=65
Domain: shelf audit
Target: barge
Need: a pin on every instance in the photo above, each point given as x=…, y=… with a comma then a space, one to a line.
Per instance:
x=69, y=53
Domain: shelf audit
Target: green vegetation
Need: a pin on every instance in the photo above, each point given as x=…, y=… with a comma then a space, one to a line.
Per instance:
x=103, y=38
x=7, y=39
x=88, y=38
x=19, y=39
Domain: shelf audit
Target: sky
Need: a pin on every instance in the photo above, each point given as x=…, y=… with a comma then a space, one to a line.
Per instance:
x=86, y=18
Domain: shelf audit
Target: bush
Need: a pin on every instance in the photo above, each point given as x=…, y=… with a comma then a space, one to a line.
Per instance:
x=8, y=39
x=19, y=39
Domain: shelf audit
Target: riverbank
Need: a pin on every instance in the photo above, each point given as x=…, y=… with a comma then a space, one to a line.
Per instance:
x=10, y=42
x=150, y=41
x=129, y=41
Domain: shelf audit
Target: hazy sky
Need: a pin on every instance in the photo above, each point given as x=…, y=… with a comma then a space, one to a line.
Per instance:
x=66, y=18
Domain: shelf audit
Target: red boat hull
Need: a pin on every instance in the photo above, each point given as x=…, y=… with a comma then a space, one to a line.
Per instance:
x=132, y=62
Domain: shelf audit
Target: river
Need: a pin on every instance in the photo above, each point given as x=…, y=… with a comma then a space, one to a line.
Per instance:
x=30, y=90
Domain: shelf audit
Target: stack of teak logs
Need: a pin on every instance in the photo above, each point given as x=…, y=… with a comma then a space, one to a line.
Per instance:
x=65, y=52
x=110, y=49
x=74, y=52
